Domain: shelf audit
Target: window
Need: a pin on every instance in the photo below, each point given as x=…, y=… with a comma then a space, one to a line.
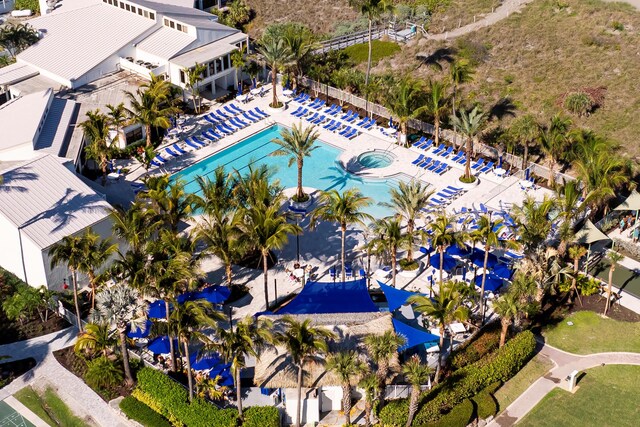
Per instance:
x=122, y=5
x=212, y=68
x=146, y=14
x=183, y=78
x=152, y=15
x=225, y=62
x=139, y=11
x=134, y=135
x=128, y=8
x=179, y=27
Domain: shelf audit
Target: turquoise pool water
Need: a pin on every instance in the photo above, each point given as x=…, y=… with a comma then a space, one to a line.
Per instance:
x=321, y=170
x=375, y=159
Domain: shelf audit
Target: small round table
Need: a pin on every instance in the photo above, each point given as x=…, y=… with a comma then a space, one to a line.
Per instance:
x=499, y=172
x=287, y=92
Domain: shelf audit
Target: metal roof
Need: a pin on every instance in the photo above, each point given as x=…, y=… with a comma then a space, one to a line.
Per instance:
x=16, y=72
x=210, y=51
x=57, y=127
x=166, y=42
x=187, y=15
x=48, y=202
x=78, y=40
x=21, y=117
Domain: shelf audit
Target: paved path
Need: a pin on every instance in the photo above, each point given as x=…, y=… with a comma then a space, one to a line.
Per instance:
x=80, y=398
x=565, y=363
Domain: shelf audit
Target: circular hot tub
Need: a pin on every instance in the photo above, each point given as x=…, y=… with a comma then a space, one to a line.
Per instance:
x=376, y=159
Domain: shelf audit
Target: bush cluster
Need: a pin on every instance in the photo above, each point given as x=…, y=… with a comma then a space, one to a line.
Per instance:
x=465, y=383
x=476, y=349
x=486, y=405
x=141, y=413
x=261, y=416
x=460, y=415
x=33, y=5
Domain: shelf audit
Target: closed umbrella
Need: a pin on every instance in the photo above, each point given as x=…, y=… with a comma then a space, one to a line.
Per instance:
x=140, y=332
x=158, y=310
x=215, y=294
x=160, y=345
x=239, y=88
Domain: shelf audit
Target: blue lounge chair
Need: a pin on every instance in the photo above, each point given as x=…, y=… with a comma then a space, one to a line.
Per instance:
x=369, y=125
x=300, y=108
x=418, y=160
x=487, y=167
x=452, y=194
x=199, y=141
x=350, y=135
x=363, y=122
x=248, y=117
x=348, y=115
x=478, y=164
x=329, y=124
x=458, y=156
x=321, y=118
x=320, y=104
x=427, y=144
x=216, y=117
x=439, y=150
x=255, y=115
x=192, y=144
x=447, y=153
x=260, y=112
x=442, y=169
x=178, y=149
x=335, y=127
x=312, y=117
x=170, y=152
x=210, y=119
x=221, y=128
x=419, y=142
x=345, y=131
x=426, y=162
x=207, y=135
x=313, y=103
x=299, y=98
x=434, y=166
x=230, y=110
x=242, y=122
x=302, y=113
x=353, y=118
x=222, y=114
x=237, y=109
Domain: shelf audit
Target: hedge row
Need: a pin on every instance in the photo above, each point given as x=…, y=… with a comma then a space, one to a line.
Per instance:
x=141, y=413
x=486, y=405
x=460, y=416
x=171, y=400
x=464, y=383
x=475, y=350
x=261, y=416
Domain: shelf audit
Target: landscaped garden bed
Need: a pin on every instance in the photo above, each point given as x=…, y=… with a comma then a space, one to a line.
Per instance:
x=50, y=408
x=11, y=370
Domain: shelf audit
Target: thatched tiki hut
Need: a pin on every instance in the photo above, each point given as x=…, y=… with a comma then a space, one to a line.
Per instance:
x=321, y=389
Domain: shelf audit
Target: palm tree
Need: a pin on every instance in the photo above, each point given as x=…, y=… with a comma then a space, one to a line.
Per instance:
x=194, y=77
x=507, y=307
x=301, y=42
x=238, y=61
x=570, y=205
x=408, y=200
x=297, y=143
x=405, y=99
x=303, y=343
x=135, y=225
x=268, y=230
x=188, y=320
x=372, y=10
x=96, y=131
x=416, y=374
x=527, y=130
x=470, y=124
x=345, y=209
x=149, y=109
x=443, y=234
x=248, y=338
x=346, y=365
x=388, y=239
x=96, y=338
x=98, y=252
x=446, y=306
x=71, y=251
x=576, y=253
x=121, y=306
x=532, y=219
x=614, y=258
x=437, y=102
x=460, y=72
x=382, y=348
x=117, y=118
x=17, y=37
x=369, y=383
x=488, y=233
x=172, y=202
x=277, y=55
x=216, y=193
x=223, y=237
x=554, y=140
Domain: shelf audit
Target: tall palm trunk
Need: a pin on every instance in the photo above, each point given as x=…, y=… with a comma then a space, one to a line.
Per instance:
x=436, y=125
x=368, y=405
x=300, y=192
x=441, y=346
x=74, y=279
x=343, y=228
x=125, y=356
x=484, y=277
x=193, y=98
x=299, y=407
x=609, y=287
x=552, y=175
x=266, y=278
x=381, y=374
x=453, y=111
x=413, y=403
x=189, y=376
x=525, y=156
x=147, y=129
x=410, y=234
x=574, y=282
x=104, y=171
x=238, y=392
x=174, y=366
x=92, y=278
x=274, y=77
x=229, y=273
x=505, y=328
x=467, y=165
x=441, y=250
x=346, y=402
x=394, y=262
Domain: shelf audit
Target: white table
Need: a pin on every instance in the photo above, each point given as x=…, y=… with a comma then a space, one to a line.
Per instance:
x=113, y=176
x=526, y=184
x=499, y=172
x=390, y=131
x=298, y=273
x=457, y=328
x=241, y=98
x=287, y=92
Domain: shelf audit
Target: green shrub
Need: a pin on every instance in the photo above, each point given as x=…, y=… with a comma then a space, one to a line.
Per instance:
x=261, y=416
x=486, y=404
x=103, y=373
x=34, y=5
x=141, y=413
x=359, y=53
x=465, y=383
x=474, y=350
x=407, y=265
x=171, y=400
x=460, y=416
x=579, y=103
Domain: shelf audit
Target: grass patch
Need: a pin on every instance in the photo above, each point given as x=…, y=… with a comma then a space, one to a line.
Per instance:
x=379, y=49
x=591, y=333
x=613, y=387
x=513, y=388
x=49, y=407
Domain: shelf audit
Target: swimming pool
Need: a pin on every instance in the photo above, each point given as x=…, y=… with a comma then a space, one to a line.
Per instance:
x=321, y=170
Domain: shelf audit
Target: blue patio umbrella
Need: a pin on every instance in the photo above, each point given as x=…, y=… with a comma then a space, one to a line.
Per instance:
x=142, y=332
x=491, y=283
x=527, y=172
x=187, y=296
x=220, y=369
x=201, y=362
x=502, y=271
x=477, y=258
x=157, y=310
x=456, y=251
x=215, y=294
x=390, y=121
x=160, y=345
x=449, y=263
x=500, y=161
x=226, y=379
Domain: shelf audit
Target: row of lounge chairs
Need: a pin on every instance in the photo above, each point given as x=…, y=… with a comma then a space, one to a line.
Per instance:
x=436, y=166
x=446, y=152
x=443, y=198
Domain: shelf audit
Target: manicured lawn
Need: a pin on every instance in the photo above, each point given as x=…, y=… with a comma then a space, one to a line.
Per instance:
x=591, y=333
x=380, y=49
x=49, y=407
x=513, y=388
x=607, y=397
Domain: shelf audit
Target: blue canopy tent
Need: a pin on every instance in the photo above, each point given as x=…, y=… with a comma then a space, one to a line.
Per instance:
x=413, y=336
x=395, y=297
x=330, y=297
x=449, y=263
x=477, y=258
x=157, y=310
x=201, y=362
x=160, y=345
x=140, y=332
x=215, y=294
x=502, y=271
x=492, y=283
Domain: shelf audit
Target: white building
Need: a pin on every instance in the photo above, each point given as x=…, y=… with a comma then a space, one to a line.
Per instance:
x=79, y=45
x=42, y=201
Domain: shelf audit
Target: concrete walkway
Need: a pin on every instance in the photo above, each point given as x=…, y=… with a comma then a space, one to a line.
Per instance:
x=564, y=363
x=80, y=398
